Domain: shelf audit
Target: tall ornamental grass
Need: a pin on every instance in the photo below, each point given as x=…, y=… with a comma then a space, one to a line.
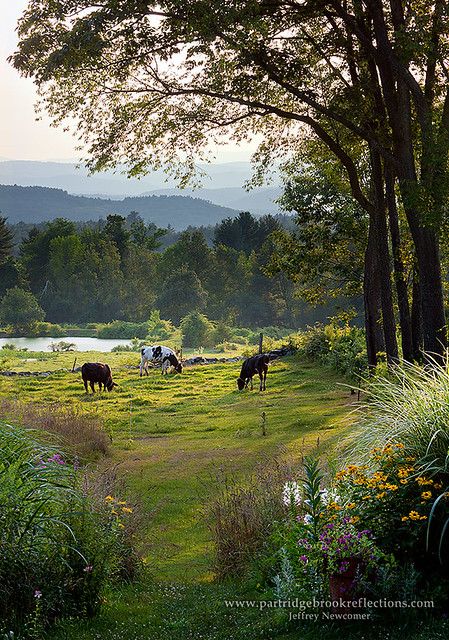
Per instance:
x=58, y=549
x=409, y=405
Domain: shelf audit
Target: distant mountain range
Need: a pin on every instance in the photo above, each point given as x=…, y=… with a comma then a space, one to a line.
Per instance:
x=36, y=204
x=222, y=184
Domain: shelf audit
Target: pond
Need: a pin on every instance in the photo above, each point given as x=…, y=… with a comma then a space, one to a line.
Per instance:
x=81, y=344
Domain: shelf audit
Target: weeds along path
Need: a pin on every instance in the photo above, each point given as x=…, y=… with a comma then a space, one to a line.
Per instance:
x=175, y=438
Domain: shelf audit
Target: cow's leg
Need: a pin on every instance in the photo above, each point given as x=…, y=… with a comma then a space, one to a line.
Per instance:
x=251, y=383
x=265, y=379
x=146, y=367
x=141, y=367
x=92, y=386
x=100, y=386
x=85, y=385
x=261, y=381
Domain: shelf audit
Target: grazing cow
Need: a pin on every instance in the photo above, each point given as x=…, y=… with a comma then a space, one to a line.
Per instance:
x=251, y=366
x=93, y=372
x=158, y=353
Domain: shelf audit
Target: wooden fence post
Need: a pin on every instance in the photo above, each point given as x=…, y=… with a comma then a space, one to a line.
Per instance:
x=261, y=343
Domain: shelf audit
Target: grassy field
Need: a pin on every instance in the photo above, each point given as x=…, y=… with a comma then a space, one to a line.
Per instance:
x=174, y=439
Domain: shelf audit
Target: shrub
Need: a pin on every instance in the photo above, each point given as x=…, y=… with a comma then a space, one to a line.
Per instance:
x=62, y=346
x=159, y=329
x=196, y=330
x=123, y=330
x=60, y=548
x=20, y=310
x=342, y=348
x=48, y=329
x=82, y=434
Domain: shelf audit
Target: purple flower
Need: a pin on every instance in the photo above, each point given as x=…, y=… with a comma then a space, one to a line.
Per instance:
x=88, y=568
x=57, y=458
x=304, y=559
x=38, y=594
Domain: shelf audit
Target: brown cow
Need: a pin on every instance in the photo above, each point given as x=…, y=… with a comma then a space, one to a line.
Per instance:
x=96, y=372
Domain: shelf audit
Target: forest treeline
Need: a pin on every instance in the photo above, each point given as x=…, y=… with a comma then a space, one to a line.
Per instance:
x=123, y=269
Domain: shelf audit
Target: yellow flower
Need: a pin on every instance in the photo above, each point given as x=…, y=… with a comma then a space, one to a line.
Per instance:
x=402, y=473
x=403, y=481
x=426, y=495
x=381, y=495
x=354, y=519
x=392, y=487
x=121, y=526
x=114, y=512
x=423, y=481
x=414, y=515
x=127, y=510
x=399, y=445
x=351, y=505
x=368, y=497
x=438, y=485
x=404, y=518
x=109, y=499
x=121, y=502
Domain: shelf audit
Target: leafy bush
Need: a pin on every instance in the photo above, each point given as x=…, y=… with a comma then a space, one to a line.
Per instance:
x=60, y=547
x=342, y=348
x=123, y=330
x=196, y=330
x=20, y=310
x=159, y=329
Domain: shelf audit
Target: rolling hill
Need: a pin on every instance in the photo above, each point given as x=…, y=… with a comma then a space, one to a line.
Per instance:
x=36, y=204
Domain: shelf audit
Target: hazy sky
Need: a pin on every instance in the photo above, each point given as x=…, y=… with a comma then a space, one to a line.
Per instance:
x=21, y=137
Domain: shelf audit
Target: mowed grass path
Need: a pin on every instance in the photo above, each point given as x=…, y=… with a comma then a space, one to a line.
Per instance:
x=174, y=437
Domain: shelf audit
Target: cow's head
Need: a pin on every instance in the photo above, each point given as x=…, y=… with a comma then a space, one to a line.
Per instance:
x=240, y=383
x=110, y=385
x=178, y=368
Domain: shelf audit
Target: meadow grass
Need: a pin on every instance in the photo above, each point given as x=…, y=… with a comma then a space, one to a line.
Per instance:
x=175, y=437
x=175, y=440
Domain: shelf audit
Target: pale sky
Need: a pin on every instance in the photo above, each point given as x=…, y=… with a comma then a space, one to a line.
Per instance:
x=21, y=137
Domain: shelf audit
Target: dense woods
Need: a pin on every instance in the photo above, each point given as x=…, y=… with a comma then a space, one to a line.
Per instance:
x=119, y=269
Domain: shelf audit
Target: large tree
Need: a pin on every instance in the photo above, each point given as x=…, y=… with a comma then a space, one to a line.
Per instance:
x=154, y=83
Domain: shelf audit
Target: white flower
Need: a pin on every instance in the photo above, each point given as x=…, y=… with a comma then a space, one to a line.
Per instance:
x=291, y=494
x=308, y=519
x=327, y=496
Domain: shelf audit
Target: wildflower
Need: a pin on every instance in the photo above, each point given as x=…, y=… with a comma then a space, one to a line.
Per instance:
x=414, y=515
x=354, y=519
x=438, y=485
x=391, y=487
x=304, y=559
x=381, y=495
x=109, y=499
x=37, y=594
x=291, y=494
x=403, y=481
x=88, y=568
x=423, y=481
x=127, y=510
x=329, y=496
x=307, y=519
x=57, y=458
x=426, y=495
x=121, y=526
x=351, y=505
x=121, y=502
x=114, y=512
x=402, y=473
x=404, y=518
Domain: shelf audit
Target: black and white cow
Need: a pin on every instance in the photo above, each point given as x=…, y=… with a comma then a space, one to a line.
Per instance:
x=251, y=366
x=159, y=354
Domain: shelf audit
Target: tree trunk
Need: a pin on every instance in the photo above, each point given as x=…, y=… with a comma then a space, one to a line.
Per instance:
x=399, y=270
x=383, y=255
x=372, y=301
x=417, y=335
